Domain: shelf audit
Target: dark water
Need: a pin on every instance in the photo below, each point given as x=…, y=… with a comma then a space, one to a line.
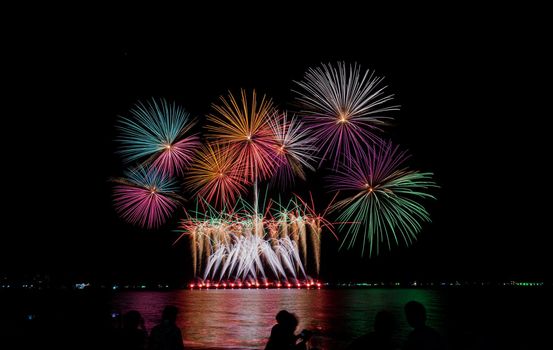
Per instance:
x=242, y=319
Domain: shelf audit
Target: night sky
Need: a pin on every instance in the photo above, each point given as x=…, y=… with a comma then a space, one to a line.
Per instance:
x=472, y=112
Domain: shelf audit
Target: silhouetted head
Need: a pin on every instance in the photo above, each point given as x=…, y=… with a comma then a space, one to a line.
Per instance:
x=292, y=321
x=415, y=313
x=287, y=320
x=132, y=319
x=281, y=316
x=385, y=323
x=170, y=313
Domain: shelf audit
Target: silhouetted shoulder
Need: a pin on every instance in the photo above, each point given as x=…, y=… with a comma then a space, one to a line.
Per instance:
x=382, y=338
x=425, y=338
x=132, y=335
x=166, y=335
x=373, y=341
x=283, y=335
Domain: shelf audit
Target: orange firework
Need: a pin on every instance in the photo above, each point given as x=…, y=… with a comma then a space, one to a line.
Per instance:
x=215, y=176
x=243, y=126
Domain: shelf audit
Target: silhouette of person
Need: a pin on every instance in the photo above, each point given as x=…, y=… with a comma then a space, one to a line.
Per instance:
x=381, y=338
x=282, y=334
x=132, y=335
x=166, y=335
x=422, y=337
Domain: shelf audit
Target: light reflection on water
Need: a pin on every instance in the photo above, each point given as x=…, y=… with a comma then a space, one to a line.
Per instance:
x=242, y=319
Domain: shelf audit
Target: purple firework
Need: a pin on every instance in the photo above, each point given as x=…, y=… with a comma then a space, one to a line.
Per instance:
x=343, y=108
x=294, y=148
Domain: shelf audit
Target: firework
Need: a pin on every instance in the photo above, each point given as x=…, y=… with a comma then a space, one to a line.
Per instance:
x=316, y=222
x=243, y=126
x=294, y=148
x=237, y=244
x=385, y=204
x=145, y=197
x=215, y=176
x=157, y=133
x=344, y=109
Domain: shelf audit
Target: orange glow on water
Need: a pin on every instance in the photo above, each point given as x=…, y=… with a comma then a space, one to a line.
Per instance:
x=268, y=284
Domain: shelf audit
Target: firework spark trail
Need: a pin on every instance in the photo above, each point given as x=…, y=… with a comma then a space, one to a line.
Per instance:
x=316, y=222
x=343, y=108
x=235, y=250
x=303, y=238
x=194, y=250
x=385, y=204
x=273, y=260
x=145, y=197
x=156, y=133
x=294, y=148
x=316, y=244
x=243, y=259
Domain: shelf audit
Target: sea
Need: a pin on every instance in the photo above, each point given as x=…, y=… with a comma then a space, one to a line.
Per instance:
x=467, y=318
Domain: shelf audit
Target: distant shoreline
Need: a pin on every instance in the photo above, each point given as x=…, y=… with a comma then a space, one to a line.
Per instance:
x=339, y=285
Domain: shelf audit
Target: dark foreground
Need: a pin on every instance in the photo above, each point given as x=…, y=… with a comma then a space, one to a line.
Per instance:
x=494, y=318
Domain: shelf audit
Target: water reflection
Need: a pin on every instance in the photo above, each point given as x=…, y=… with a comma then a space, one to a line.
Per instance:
x=242, y=319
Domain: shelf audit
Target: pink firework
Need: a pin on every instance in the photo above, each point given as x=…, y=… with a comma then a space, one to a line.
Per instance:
x=176, y=157
x=145, y=198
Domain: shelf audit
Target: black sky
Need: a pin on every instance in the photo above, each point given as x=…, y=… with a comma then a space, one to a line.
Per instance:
x=472, y=112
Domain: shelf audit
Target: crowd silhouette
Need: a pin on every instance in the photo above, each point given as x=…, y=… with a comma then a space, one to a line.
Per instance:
x=166, y=335
x=69, y=320
x=384, y=336
x=128, y=332
x=132, y=334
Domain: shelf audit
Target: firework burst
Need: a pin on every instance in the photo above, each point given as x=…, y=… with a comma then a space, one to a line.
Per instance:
x=343, y=107
x=157, y=133
x=243, y=126
x=294, y=148
x=385, y=206
x=145, y=197
x=215, y=176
